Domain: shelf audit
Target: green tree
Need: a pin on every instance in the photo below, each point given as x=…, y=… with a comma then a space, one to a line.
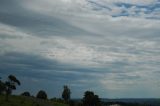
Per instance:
x=42, y=94
x=2, y=87
x=66, y=93
x=90, y=99
x=11, y=85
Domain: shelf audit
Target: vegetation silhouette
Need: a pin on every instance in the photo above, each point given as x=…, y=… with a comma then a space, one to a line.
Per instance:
x=26, y=93
x=10, y=85
x=90, y=99
x=66, y=93
x=25, y=99
x=2, y=87
x=41, y=95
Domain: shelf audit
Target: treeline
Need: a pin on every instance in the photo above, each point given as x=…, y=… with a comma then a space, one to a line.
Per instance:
x=89, y=99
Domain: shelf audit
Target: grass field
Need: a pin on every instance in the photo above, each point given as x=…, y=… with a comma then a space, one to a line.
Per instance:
x=27, y=101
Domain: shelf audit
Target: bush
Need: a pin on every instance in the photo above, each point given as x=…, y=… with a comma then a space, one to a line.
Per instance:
x=90, y=99
x=25, y=94
x=41, y=95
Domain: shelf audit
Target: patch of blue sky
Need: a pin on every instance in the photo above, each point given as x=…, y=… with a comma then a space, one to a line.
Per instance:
x=148, y=10
x=98, y=6
x=123, y=13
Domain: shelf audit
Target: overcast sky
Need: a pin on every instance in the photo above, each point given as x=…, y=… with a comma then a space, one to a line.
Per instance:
x=111, y=47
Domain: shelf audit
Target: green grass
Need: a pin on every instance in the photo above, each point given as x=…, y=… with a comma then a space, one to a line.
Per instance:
x=27, y=101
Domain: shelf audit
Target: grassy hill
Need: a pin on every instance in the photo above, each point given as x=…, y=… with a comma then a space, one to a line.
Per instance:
x=27, y=101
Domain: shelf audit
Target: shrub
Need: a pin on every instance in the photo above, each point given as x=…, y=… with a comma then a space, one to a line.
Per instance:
x=41, y=95
x=25, y=94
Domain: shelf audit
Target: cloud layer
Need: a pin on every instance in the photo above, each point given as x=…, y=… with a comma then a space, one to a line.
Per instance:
x=110, y=47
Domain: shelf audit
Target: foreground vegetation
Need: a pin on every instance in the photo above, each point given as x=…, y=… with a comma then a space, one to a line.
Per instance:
x=27, y=101
x=33, y=101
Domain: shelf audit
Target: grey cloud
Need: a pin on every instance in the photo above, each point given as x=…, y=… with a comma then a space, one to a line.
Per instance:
x=5, y=36
x=16, y=15
x=41, y=26
x=31, y=65
x=34, y=69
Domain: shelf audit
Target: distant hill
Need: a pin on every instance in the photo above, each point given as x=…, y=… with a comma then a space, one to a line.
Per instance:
x=142, y=101
x=27, y=101
x=150, y=102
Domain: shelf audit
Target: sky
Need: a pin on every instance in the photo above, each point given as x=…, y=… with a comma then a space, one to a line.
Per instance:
x=110, y=47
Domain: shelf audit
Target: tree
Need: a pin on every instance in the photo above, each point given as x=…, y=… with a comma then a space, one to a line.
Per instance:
x=90, y=99
x=97, y=101
x=25, y=94
x=66, y=93
x=2, y=87
x=11, y=85
x=41, y=95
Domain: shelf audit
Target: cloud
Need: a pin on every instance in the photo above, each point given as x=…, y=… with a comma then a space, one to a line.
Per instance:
x=84, y=8
x=81, y=44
